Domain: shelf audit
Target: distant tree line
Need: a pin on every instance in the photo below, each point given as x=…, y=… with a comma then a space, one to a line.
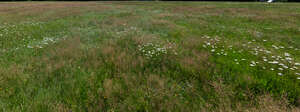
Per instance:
x=240, y=0
x=165, y=0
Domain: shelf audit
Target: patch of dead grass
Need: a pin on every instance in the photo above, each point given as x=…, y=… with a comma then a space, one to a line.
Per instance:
x=39, y=10
x=122, y=59
x=263, y=103
x=196, y=61
x=150, y=92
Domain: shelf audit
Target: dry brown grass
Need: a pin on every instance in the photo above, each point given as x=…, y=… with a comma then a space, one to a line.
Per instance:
x=264, y=103
x=122, y=59
x=164, y=23
x=113, y=22
x=11, y=73
x=258, y=14
x=268, y=104
x=141, y=40
x=156, y=93
x=42, y=10
x=93, y=59
x=225, y=104
x=191, y=9
x=65, y=54
x=153, y=92
x=60, y=107
x=196, y=61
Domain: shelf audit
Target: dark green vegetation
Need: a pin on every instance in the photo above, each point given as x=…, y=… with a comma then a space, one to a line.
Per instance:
x=168, y=0
x=149, y=56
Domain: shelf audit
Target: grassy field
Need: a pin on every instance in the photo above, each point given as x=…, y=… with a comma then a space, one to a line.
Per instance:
x=149, y=56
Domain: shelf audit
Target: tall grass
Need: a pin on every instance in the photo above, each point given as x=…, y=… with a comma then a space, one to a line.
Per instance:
x=132, y=56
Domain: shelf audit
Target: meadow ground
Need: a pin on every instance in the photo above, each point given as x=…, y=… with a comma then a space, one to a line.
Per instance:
x=149, y=56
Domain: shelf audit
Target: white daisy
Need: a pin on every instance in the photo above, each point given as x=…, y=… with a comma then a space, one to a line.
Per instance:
x=286, y=54
x=273, y=62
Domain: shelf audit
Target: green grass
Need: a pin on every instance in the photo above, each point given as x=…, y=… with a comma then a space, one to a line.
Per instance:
x=149, y=56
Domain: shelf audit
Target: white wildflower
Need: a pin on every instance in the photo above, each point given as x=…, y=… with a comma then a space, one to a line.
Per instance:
x=213, y=50
x=208, y=44
x=288, y=58
x=252, y=63
x=268, y=52
x=286, y=54
x=275, y=47
x=286, y=67
x=273, y=62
